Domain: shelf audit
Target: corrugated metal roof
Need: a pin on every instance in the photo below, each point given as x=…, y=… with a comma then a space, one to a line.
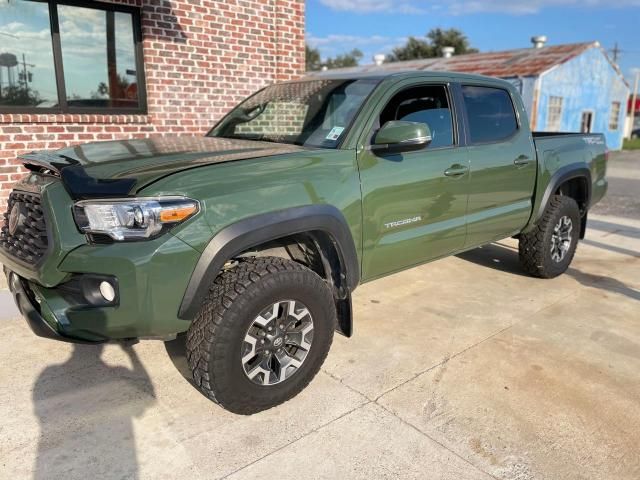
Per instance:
x=522, y=62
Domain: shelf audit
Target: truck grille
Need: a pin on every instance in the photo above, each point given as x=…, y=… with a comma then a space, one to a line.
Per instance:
x=24, y=232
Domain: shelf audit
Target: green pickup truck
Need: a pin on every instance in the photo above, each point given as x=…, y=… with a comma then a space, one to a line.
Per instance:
x=252, y=238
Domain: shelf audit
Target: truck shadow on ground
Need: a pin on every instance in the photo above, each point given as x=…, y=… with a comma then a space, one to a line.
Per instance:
x=85, y=410
x=505, y=259
x=496, y=256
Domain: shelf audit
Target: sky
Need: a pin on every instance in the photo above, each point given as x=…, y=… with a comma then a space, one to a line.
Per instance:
x=376, y=26
x=334, y=26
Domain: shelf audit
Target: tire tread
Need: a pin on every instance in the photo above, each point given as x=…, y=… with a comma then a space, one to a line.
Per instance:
x=210, y=324
x=532, y=245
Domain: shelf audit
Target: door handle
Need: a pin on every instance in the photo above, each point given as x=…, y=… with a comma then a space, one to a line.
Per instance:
x=522, y=160
x=456, y=170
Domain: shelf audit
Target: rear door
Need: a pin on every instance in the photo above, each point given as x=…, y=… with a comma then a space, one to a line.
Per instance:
x=502, y=160
x=414, y=202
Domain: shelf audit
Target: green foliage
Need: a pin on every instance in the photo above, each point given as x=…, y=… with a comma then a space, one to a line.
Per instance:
x=312, y=58
x=414, y=48
x=313, y=61
x=432, y=45
x=18, y=95
x=349, y=59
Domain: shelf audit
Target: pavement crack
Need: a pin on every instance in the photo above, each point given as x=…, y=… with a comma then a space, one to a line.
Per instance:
x=342, y=382
x=453, y=452
x=446, y=359
x=310, y=432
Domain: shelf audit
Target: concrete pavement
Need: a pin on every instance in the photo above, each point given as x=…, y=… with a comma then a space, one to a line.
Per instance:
x=623, y=198
x=460, y=369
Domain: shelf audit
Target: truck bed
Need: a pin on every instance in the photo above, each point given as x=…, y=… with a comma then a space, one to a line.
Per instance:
x=568, y=151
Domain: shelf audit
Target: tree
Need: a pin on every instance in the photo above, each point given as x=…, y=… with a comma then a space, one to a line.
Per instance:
x=19, y=95
x=449, y=38
x=120, y=87
x=432, y=46
x=312, y=58
x=313, y=61
x=349, y=59
x=414, y=48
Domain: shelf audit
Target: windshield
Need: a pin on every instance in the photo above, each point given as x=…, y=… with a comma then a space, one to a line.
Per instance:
x=314, y=113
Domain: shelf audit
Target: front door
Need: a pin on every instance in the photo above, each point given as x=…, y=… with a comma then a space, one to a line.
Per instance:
x=413, y=202
x=503, y=165
x=586, y=122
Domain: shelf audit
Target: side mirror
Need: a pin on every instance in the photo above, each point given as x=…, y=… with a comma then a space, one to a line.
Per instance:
x=401, y=135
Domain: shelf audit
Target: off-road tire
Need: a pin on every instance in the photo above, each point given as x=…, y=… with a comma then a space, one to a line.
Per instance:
x=235, y=298
x=535, y=246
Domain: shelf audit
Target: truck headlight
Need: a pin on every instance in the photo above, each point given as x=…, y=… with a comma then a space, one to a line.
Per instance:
x=133, y=218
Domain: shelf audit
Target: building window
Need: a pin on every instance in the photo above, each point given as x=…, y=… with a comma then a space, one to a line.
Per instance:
x=60, y=57
x=614, y=116
x=554, y=114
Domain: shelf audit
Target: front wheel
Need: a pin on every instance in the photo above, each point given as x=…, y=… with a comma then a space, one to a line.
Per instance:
x=261, y=335
x=547, y=250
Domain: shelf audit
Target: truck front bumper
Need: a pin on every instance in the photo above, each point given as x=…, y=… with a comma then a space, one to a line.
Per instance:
x=58, y=296
x=149, y=278
x=30, y=309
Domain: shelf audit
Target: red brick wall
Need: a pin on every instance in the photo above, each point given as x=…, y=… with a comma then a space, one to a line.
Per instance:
x=201, y=58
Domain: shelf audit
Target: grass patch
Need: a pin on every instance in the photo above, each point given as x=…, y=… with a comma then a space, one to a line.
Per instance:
x=631, y=144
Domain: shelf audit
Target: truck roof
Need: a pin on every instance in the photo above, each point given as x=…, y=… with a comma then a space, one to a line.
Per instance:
x=354, y=74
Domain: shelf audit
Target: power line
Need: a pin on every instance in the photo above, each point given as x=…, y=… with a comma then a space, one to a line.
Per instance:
x=615, y=51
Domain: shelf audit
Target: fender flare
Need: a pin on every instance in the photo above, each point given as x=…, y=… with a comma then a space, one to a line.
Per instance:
x=253, y=231
x=562, y=175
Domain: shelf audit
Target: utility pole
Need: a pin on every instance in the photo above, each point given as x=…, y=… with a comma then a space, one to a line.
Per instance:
x=25, y=78
x=615, y=52
x=635, y=94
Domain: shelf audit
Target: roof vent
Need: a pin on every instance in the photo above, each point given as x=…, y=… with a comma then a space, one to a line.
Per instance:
x=447, y=52
x=539, y=41
x=379, y=58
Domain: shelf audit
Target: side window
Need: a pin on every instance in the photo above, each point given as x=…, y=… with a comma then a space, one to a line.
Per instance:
x=427, y=104
x=490, y=113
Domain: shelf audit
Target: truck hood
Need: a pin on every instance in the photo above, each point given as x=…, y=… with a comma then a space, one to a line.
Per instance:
x=123, y=167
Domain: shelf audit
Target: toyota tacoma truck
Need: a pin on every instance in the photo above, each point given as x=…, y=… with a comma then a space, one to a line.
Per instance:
x=251, y=239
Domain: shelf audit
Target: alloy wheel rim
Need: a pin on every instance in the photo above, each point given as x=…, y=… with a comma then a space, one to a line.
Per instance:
x=277, y=342
x=561, y=239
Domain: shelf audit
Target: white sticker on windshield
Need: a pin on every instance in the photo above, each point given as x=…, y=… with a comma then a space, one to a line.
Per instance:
x=335, y=133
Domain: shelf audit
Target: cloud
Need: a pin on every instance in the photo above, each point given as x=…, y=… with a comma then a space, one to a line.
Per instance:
x=333, y=44
x=372, y=6
x=465, y=7
x=342, y=40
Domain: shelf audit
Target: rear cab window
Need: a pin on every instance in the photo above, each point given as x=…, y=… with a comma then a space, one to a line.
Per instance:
x=490, y=113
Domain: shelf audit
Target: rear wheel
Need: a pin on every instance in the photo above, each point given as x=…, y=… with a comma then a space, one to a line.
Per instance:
x=261, y=335
x=547, y=251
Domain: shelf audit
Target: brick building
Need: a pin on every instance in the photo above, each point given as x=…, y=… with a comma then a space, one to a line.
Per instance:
x=74, y=72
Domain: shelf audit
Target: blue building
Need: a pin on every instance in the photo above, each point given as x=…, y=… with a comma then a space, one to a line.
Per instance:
x=565, y=88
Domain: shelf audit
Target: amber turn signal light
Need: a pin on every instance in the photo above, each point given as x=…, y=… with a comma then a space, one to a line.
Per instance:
x=177, y=214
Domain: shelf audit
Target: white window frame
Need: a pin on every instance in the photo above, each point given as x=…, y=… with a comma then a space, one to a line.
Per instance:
x=554, y=113
x=614, y=120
